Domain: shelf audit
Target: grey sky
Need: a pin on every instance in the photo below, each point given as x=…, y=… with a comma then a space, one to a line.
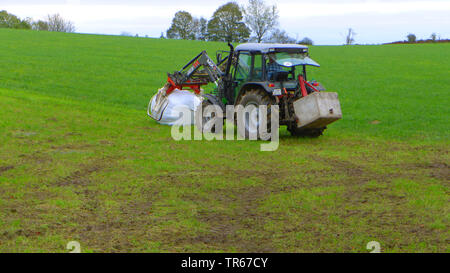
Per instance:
x=324, y=21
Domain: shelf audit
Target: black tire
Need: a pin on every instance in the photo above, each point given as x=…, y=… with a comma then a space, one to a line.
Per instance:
x=255, y=97
x=301, y=132
x=200, y=120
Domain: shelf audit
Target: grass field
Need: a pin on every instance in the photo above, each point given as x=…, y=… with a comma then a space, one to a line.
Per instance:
x=80, y=160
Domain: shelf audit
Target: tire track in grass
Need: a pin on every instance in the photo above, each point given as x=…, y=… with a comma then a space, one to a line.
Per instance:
x=241, y=228
x=5, y=169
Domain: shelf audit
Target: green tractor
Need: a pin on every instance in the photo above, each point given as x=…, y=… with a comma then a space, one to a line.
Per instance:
x=263, y=74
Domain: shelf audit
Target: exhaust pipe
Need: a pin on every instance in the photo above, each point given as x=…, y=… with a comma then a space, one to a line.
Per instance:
x=230, y=59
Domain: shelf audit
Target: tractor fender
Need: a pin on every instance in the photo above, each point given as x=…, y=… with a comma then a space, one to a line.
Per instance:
x=253, y=85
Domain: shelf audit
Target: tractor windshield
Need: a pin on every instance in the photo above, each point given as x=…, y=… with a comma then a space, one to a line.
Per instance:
x=290, y=59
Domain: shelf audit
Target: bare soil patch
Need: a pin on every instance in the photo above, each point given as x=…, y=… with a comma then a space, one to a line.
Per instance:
x=5, y=168
x=79, y=177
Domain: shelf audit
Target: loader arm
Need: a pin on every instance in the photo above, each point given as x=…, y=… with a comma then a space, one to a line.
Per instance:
x=199, y=71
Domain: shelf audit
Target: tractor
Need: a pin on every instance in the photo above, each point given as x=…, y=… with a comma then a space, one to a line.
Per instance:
x=262, y=74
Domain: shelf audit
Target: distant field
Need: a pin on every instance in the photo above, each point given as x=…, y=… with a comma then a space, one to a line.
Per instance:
x=80, y=160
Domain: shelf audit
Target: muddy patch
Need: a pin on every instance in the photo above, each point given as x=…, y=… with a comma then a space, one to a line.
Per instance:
x=150, y=129
x=79, y=177
x=106, y=143
x=243, y=228
x=438, y=170
x=72, y=146
x=5, y=168
x=348, y=168
x=69, y=134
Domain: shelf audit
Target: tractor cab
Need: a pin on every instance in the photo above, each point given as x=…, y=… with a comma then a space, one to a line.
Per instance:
x=277, y=68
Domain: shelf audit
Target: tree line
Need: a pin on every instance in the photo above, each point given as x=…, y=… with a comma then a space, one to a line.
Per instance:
x=52, y=22
x=411, y=38
x=255, y=22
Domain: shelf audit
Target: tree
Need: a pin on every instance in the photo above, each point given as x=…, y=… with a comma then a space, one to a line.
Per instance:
x=8, y=20
x=411, y=38
x=40, y=25
x=51, y=23
x=306, y=41
x=280, y=36
x=350, y=39
x=226, y=24
x=59, y=24
x=183, y=26
x=24, y=24
x=260, y=18
x=201, y=29
x=433, y=37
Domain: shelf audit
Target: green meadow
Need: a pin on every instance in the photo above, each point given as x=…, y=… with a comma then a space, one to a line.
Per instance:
x=81, y=161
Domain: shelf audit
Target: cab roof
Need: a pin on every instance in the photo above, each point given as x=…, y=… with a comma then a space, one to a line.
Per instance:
x=266, y=48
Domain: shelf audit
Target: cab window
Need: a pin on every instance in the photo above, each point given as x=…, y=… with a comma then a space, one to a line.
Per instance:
x=243, y=66
x=257, y=72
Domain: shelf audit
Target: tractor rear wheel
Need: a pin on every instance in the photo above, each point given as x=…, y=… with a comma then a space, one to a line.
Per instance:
x=256, y=98
x=305, y=132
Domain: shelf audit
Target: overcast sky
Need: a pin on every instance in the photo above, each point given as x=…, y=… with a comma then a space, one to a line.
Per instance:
x=324, y=21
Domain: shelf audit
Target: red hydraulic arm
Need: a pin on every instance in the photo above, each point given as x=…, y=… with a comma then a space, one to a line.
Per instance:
x=189, y=76
x=194, y=86
x=302, y=82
